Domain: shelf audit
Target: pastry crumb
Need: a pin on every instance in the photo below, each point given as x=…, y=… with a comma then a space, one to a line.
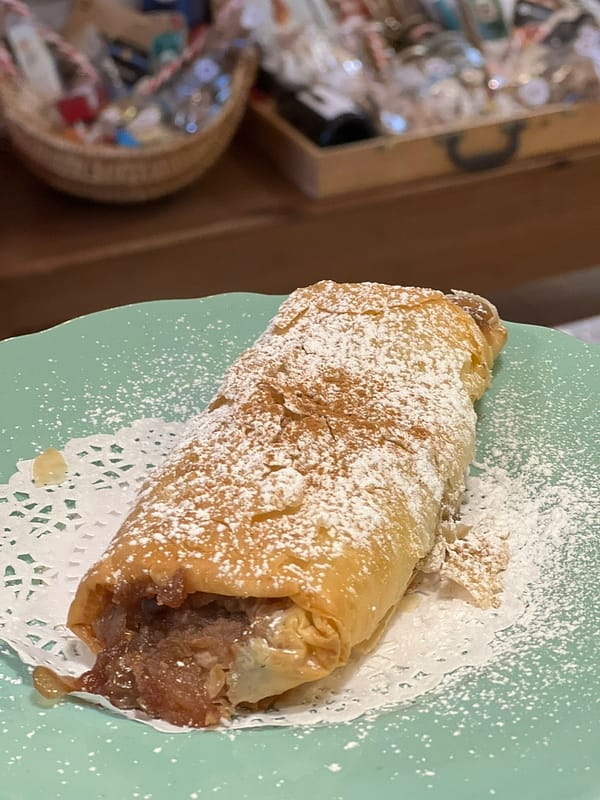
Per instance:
x=49, y=468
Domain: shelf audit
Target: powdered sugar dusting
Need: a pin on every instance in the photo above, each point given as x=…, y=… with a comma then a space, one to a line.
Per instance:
x=437, y=631
x=525, y=720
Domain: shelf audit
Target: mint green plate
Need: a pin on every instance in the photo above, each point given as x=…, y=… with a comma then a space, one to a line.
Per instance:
x=525, y=728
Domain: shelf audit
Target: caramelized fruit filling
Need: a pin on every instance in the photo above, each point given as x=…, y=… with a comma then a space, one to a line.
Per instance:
x=168, y=655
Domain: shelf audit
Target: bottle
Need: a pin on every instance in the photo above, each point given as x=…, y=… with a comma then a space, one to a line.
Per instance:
x=326, y=117
x=33, y=57
x=489, y=18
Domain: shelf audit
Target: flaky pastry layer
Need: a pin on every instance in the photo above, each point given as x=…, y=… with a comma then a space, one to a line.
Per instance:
x=319, y=473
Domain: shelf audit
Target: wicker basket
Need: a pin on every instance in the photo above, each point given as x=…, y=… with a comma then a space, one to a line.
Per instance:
x=110, y=173
x=122, y=175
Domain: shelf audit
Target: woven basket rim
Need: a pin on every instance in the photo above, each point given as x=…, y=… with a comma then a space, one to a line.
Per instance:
x=180, y=141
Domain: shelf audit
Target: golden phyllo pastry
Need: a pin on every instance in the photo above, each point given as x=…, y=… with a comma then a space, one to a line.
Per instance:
x=282, y=532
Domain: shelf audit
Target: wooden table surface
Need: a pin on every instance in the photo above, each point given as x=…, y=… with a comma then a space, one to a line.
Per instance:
x=243, y=227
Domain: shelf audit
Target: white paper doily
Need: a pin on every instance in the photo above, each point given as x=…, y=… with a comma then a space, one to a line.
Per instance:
x=50, y=536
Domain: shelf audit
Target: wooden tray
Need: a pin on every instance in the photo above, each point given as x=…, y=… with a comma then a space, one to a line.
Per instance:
x=323, y=172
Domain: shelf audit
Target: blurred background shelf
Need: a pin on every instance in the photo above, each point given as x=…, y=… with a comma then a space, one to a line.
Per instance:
x=245, y=228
